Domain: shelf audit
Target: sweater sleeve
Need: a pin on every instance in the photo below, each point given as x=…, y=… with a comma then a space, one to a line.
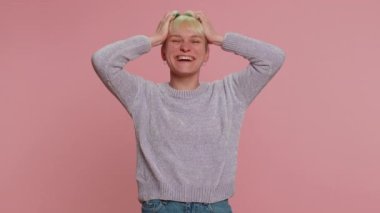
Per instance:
x=109, y=62
x=264, y=62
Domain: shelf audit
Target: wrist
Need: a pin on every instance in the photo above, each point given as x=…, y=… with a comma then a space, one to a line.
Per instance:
x=155, y=40
x=217, y=40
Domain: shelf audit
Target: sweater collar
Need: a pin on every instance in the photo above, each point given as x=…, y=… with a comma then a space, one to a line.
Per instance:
x=184, y=94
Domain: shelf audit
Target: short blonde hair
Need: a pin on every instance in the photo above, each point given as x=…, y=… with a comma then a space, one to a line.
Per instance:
x=188, y=19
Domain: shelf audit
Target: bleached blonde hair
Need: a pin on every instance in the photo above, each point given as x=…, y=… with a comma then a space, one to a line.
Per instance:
x=187, y=18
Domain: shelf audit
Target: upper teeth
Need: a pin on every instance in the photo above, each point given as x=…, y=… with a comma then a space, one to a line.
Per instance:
x=184, y=57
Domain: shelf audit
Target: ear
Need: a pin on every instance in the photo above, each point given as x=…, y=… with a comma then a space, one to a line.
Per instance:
x=207, y=53
x=163, y=52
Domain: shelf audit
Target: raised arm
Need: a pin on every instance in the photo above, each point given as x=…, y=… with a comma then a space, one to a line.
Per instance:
x=109, y=62
x=264, y=61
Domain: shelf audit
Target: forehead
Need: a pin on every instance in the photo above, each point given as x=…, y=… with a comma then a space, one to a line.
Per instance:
x=185, y=30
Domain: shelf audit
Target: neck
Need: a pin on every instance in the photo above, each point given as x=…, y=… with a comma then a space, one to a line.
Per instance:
x=184, y=83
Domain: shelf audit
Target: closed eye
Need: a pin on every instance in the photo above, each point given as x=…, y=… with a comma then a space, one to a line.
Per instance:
x=175, y=40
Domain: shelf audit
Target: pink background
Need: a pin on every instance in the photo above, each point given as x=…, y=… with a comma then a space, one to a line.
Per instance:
x=309, y=143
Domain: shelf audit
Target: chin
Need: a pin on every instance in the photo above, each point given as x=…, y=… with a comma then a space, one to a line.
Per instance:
x=183, y=73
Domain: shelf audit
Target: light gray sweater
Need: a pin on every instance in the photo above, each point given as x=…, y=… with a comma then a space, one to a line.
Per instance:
x=187, y=141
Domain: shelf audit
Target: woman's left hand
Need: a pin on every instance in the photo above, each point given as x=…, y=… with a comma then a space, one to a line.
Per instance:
x=212, y=36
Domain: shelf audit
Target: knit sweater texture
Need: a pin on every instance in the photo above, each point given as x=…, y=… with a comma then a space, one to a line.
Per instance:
x=187, y=140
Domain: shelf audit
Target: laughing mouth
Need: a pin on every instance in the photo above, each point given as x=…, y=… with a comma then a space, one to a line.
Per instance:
x=185, y=58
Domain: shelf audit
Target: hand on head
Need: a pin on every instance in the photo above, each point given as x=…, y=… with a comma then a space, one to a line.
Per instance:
x=210, y=33
x=163, y=28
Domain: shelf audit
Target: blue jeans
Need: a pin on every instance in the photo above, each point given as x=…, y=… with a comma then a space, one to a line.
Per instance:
x=167, y=206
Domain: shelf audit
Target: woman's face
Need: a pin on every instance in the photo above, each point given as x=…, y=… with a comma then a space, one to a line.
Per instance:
x=185, y=51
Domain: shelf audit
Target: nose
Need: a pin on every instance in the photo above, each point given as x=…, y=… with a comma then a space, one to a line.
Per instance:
x=185, y=47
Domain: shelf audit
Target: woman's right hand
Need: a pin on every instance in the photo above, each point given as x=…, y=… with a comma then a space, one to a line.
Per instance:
x=163, y=29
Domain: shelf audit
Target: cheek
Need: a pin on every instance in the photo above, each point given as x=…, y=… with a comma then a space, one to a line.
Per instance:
x=201, y=48
x=201, y=52
x=170, y=50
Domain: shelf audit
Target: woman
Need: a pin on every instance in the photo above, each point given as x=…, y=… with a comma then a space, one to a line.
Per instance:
x=187, y=131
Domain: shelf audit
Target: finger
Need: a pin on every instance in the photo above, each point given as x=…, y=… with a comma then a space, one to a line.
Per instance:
x=171, y=15
x=175, y=13
x=199, y=13
x=163, y=20
x=164, y=23
x=168, y=15
x=201, y=16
